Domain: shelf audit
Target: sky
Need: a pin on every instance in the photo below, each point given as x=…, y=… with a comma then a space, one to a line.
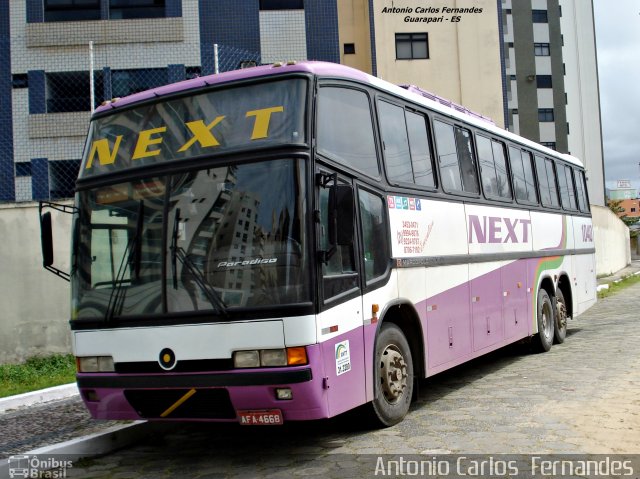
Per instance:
x=618, y=44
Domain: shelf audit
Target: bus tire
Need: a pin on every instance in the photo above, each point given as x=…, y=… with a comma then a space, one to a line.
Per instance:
x=393, y=376
x=560, y=323
x=545, y=317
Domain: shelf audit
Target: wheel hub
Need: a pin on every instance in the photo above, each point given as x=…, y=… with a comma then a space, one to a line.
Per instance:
x=393, y=374
x=562, y=315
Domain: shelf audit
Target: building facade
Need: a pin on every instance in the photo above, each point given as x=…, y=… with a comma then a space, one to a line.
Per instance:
x=504, y=59
x=552, y=80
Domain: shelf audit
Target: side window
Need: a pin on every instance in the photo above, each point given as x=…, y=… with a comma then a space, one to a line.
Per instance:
x=567, y=194
x=420, y=146
x=551, y=175
x=581, y=188
x=447, y=157
x=345, y=130
x=395, y=142
x=547, y=179
x=456, y=158
x=374, y=235
x=545, y=194
x=517, y=169
x=339, y=272
x=527, y=163
x=487, y=168
x=407, y=149
x=499, y=156
x=493, y=168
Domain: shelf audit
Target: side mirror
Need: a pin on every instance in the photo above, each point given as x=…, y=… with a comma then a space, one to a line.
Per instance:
x=46, y=239
x=46, y=235
x=341, y=215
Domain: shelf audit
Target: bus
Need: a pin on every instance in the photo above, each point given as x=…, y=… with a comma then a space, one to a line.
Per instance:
x=292, y=241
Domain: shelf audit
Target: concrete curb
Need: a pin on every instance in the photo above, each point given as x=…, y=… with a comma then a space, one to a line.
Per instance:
x=97, y=444
x=36, y=397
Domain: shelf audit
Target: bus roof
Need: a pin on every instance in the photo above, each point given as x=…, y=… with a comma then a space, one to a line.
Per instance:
x=330, y=70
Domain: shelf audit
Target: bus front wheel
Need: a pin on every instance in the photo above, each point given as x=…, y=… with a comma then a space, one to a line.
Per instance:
x=546, y=322
x=393, y=376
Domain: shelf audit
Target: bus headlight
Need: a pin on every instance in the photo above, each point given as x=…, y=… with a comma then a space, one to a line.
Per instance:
x=246, y=359
x=95, y=364
x=270, y=357
x=273, y=357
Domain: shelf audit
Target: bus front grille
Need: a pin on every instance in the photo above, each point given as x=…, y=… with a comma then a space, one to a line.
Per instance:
x=181, y=403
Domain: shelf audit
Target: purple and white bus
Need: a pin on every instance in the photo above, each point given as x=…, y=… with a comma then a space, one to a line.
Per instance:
x=290, y=242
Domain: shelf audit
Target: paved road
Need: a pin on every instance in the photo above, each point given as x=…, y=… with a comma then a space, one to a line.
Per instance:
x=581, y=397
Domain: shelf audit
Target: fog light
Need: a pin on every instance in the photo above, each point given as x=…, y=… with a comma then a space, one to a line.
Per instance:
x=273, y=357
x=284, y=394
x=246, y=359
x=91, y=396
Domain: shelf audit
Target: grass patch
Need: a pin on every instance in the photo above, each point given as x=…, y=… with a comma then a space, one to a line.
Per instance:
x=37, y=373
x=616, y=287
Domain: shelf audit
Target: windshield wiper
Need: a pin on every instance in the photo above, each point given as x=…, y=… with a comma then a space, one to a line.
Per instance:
x=178, y=253
x=132, y=253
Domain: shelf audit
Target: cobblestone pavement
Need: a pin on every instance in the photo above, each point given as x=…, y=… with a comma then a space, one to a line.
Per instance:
x=26, y=429
x=581, y=397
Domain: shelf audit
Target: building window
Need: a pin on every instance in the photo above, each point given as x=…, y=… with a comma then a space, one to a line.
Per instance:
x=124, y=9
x=412, y=46
x=542, y=49
x=127, y=82
x=349, y=48
x=633, y=210
x=549, y=144
x=71, y=10
x=62, y=178
x=544, y=81
x=281, y=4
x=545, y=114
x=23, y=168
x=70, y=91
x=540, y=16
x=20, y=80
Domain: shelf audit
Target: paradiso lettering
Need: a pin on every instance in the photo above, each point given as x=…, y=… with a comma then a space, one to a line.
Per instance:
x=150, y=142
x=495, y=229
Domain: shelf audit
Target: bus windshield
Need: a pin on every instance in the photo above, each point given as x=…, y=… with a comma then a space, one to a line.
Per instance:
x=202, y=240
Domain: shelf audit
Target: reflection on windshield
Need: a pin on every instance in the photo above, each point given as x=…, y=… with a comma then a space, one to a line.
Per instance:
x=237, y=233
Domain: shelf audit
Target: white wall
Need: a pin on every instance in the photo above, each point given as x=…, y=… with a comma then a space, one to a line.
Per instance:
x=612, y=241
x=34, y=318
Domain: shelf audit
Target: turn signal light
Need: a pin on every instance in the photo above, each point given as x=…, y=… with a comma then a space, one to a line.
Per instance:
x=297, y=356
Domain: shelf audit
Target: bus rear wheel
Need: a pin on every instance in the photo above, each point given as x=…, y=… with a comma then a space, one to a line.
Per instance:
x=393, y=376
x=560, y=324
x=546, y=322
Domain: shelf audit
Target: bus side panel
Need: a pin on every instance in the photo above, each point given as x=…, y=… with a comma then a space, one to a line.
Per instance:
x=344, y=371
x=486, y=304
x=515, y=305
x=448, y=314
x=585, y=265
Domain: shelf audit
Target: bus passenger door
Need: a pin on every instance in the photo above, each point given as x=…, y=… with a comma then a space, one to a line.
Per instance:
x=339, y=322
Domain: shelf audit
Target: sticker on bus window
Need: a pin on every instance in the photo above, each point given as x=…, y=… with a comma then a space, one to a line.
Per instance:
x=343, y=359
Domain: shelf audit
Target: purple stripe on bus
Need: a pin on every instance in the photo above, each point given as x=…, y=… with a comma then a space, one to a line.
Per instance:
x=320, y=68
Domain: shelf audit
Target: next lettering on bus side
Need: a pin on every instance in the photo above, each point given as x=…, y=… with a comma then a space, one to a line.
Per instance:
x=494, y=229
x=202, y=133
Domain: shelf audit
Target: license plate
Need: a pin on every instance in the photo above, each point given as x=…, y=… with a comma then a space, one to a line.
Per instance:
x=271, y=417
